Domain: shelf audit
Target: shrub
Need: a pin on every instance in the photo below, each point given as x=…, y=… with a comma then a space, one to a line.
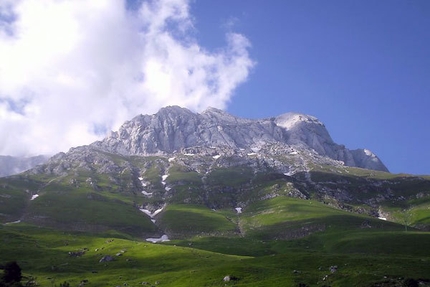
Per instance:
x=11, y=273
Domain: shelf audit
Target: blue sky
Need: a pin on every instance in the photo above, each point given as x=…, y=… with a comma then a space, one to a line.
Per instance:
x=361, y=67
x=71, y=71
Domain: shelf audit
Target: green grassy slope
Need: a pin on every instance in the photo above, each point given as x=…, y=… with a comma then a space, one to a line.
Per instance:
x=361, y=259
x=184, y=220
x=278, y=239
x=87, y=211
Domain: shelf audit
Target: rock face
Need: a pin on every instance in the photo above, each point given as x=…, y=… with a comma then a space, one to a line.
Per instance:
x=10, y=165
x=175, y=129
x=310, y=131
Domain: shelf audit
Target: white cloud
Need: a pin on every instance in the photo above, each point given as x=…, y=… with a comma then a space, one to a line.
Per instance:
x=72, y=70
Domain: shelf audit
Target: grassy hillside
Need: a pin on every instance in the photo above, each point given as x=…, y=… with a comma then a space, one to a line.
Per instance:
x=184, y=220
x=356, y=259
x=261, y=228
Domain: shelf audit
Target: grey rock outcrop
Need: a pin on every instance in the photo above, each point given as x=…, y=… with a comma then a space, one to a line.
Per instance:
x=308, y=130
x=175, y=129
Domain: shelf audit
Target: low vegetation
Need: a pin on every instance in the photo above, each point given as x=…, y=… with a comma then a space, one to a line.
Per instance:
x=228, y=226
x=350, y=250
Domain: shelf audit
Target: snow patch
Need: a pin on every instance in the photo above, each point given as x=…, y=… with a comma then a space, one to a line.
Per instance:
x=144, y=184
x=293, y=153
x=289, y=120
x=163, y=238
x=152, y=214
x=372, y=156
x=163, y=179
x=171, y=159
x=13, y=222
x=381, y=216
x=146, y=211
x=167, y=188
x=216, y=156
x=255, y=149
x=252, y=153
x=34, y=196
x=189, y=154
x=158, y=211
x=238, y=210
x=149, y=194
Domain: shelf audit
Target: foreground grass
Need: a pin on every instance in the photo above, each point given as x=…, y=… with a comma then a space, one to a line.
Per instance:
x=44, y=254
x=361, y=259
x=280, y=241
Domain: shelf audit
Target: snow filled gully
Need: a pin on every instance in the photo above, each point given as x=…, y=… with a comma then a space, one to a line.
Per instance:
x=163, y=238
x=144, y=184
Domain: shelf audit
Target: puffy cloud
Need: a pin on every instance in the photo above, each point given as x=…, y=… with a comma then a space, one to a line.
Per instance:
x=70, y=71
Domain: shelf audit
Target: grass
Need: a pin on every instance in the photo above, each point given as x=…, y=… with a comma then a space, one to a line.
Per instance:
x=361, y=259
x=279, y=241
x=184, y=220
x=230, y=176
x=43, y=253
x=15, y=193
x=182, y=174
x=388, y=243
x=87, y=210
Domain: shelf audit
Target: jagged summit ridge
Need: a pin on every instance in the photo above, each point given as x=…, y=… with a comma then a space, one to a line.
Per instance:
x=173, y=129
x=290, y=120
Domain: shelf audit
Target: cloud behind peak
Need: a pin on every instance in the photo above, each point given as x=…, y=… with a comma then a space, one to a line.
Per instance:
x=72, y=70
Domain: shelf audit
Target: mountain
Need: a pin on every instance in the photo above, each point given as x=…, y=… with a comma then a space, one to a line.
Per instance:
x=10, y=165
x=213, y=160
x=174, y=129
x=232, y=201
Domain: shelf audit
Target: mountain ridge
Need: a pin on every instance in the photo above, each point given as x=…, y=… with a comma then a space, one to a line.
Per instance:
x=214, y=160
x=174, y=128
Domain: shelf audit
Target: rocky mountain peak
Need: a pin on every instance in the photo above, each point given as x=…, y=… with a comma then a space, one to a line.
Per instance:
x=173, y=112
x=292, y=120
x=174, y=129
x=215, y=111
x=218, y=115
